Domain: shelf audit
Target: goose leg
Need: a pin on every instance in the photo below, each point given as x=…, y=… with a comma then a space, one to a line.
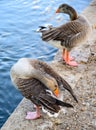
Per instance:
x=67, y=59
x=33, y=115
x=36, y=106
x=63, y=55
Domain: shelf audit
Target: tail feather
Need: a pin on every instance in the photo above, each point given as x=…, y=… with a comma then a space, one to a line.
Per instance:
x=52, y=103
x=49, y=35
x=42, y=27
x=63, y=103
x=49, y=106
x=68, y=87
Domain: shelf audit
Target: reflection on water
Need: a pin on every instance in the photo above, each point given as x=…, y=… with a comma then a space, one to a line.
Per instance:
x=18, y=21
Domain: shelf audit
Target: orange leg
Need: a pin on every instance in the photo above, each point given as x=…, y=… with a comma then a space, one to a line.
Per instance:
x=67, y=58
x=33, y=115
x=63, y=55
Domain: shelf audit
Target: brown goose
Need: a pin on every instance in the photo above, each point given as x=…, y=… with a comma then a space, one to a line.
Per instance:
x=69, y=34
x=37, y=81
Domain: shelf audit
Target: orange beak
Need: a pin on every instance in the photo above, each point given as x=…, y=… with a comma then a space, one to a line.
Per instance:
x=57, y=11
x=56, y=92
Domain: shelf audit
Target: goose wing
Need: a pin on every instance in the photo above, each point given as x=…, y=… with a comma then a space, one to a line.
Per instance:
x=49, y=70
x=27, y=68
x=69, y=34
x=34, y=90
x=52, y=103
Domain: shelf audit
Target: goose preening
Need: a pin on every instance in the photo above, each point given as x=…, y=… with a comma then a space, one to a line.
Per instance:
x=38, y=82
x=68, y=35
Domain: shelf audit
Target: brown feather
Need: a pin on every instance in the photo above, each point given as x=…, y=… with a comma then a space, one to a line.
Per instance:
x=71, y=33
x=33, y=88
x=61, y=82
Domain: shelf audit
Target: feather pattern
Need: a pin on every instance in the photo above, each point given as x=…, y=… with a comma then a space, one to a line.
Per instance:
x=71, y=33
x=36, y=91
x=49, y=70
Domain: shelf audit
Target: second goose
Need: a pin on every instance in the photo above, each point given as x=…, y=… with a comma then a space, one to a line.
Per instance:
x=68, y=35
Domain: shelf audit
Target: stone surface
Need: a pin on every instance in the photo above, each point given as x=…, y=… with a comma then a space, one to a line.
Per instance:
x=83, y=81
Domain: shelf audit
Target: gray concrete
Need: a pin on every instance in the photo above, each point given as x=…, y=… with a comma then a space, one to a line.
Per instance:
x=71, y=119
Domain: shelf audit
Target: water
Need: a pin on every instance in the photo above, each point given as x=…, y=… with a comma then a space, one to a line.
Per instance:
x=18, y=21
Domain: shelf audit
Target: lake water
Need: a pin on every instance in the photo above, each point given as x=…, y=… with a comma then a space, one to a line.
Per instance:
x=18, y=21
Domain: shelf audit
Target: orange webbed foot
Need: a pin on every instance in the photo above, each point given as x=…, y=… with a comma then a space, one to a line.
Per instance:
x=69, y=60
x=72, y=63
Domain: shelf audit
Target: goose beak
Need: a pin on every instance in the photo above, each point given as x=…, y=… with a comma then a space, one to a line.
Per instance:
x=56, y=92
x=57, y=11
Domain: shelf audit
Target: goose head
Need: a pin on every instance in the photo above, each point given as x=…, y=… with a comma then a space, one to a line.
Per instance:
x=65, y=8
x=53, y=86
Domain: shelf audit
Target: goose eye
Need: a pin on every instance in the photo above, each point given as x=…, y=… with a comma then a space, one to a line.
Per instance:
x=56, y=86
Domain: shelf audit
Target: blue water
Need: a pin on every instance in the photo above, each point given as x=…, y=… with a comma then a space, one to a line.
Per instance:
x=18, y=21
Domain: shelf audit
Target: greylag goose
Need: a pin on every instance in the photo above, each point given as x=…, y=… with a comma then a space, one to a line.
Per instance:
x=69, y=34
x=39, y=83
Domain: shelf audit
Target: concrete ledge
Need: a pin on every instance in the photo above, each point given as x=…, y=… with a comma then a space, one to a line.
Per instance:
x=83, y=81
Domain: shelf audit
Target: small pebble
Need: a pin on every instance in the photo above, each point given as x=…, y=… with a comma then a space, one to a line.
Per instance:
x=83, y=109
